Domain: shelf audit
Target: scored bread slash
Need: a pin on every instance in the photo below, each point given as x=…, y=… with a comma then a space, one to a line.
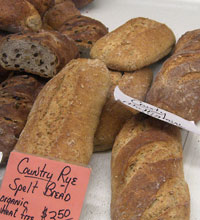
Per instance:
x=43, y=53
x=155, y=112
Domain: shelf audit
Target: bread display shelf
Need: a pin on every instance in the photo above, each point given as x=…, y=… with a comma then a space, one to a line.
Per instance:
x=180, y=16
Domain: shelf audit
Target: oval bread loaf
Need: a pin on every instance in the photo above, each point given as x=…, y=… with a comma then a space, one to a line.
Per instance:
x=147, y=173
x=135, y=44
x=59, y=13
x=42, y=53
x=19, y=15
x=85, y=31
x=63, y=120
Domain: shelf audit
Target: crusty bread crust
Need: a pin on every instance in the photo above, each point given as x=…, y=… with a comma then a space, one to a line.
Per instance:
x=177, y=85
x=59, y=13
x=42, y=5
x=17, y=95
x=85, y=31
x=42, y=53
x=19, y=15
x=137, y=43
x=63, y=120
x=147, y=173
x=114, y=114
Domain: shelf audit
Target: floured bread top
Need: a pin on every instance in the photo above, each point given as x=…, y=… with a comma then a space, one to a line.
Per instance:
x=137, y=43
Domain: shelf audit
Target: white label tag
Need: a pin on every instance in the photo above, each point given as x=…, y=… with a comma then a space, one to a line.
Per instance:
x=1, y=155
x=155, y=112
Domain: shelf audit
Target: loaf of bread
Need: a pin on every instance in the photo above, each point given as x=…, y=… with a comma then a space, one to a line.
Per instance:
x=85, y=31
x=17, y=95
x=59, y=13
x=81, y=3
x=43, y=53
x=63, y=120
x=19, y=15
x=177, y=85
x=115, y=114
x=42, y=5
x=147, y=173
x=137, y=43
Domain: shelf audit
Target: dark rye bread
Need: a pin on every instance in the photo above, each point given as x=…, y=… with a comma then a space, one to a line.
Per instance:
x=85, y=31
x=17, y=95
x=42, y=53
x=59, y=13
x=18, y=15
x=41, y=5
x=177, y=85
x=147, y=173
x=114, y=114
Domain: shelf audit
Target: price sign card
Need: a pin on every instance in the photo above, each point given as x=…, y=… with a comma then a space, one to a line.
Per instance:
x=36, y=188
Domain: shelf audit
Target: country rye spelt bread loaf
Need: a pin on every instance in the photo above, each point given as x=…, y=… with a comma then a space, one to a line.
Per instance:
x=42, y=53
x=59, y=13
x=137, y=43
x=147, y=173
x=19, y=15
x=85, y=31
x=63, y=120
x=177, y=85
x=17, y=95
x=114, y=114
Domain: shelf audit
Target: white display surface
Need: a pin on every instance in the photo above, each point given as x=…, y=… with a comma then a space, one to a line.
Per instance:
x=180, y=16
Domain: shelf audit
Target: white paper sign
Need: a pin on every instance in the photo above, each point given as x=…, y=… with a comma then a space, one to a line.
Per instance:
x=1, y=155
x=155, y=112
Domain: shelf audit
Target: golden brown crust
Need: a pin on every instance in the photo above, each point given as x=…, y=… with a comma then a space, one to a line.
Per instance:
x=19, y=15
x=115, y=114
x=41, y=5
x=59, y=13
x=61, y=47
x=147, y=173
x=85, y=31
x=17, y=95
x=64, y=117
x=176, y=87
x=137, y=43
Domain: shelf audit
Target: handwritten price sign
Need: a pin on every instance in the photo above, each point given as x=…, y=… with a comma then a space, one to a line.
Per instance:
x=36, y=188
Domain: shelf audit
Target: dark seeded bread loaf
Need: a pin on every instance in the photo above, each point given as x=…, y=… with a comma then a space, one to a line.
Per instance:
x=85, y=31
x=41, y=5
x=59, y=13
x=114, y=114
x=147, y=173
x=19, y=15
x=177, y=85
x=17, y=95
x=43, y=53
x=63, y=120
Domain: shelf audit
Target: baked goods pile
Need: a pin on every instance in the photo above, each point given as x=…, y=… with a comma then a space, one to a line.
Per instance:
x=57, y=101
